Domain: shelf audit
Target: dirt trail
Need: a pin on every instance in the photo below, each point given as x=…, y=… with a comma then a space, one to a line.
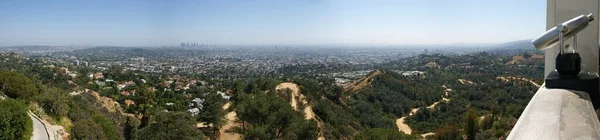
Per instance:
x=402, y=126
x=361, y=83
x=413, y=111
x=427, y=134
x=464, y=82
x=231, y=118
x=296, y=96
x=226, y=106
x=401, y=122
x=507, y=79
x=294, y=89
x=436, y=103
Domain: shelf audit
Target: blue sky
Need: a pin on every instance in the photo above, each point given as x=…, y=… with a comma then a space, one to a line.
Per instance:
x=268, y=22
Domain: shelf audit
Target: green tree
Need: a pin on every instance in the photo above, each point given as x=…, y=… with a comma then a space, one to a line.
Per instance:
x=145, y=101
x=130, y=128
x=82, y=80
x=17, y=85
x=55, y=101
x=471, y=124
x=307, y=130
x=270, y=117
x=144, y=96
x=15, y=124
x=108, y=127
x=171, y=126
x=212, y=111
x=87, y=129
x=487, y=122
x=238, y=87
x=449, y=132
x=382, y=134
x=90, y=121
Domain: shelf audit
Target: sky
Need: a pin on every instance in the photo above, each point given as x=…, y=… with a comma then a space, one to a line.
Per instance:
x=268, y=22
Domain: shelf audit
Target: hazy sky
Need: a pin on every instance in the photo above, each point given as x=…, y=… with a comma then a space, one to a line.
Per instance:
x=170, y=22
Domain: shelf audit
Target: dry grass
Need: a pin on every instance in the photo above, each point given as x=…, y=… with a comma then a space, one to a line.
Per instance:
x=361, y=83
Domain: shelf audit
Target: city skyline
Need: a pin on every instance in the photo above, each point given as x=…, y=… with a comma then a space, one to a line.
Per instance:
x=168, y=23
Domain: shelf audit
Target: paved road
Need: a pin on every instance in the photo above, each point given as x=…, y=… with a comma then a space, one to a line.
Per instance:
x=39, y=131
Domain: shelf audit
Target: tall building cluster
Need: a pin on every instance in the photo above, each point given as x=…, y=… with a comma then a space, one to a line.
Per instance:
x=80, y=63
x=194, y=44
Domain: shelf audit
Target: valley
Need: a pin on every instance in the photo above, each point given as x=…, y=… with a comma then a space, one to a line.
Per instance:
x=424, y=96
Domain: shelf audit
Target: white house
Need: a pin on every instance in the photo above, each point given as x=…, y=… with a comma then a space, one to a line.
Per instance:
x=223, y=95
x=193, y=111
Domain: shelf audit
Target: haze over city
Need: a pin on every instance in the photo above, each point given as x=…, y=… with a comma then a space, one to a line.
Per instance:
x=163, y=23
x=298, y=70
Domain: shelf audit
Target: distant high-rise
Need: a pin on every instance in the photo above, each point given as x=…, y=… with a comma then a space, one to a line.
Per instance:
x=191, y=44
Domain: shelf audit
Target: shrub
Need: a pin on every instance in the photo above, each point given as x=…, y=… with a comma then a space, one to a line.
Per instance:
x=15, y=124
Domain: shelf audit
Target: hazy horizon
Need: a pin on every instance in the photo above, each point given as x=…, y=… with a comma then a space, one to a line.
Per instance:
x=169, y=23
x=358, y=45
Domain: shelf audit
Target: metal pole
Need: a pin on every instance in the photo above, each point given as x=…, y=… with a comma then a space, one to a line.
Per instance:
x=560, y=39
x=574, y=43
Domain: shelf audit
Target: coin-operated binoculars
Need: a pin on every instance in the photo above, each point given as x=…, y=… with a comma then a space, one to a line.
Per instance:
x=568, y=74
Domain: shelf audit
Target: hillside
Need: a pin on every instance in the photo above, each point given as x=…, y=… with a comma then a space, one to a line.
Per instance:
x=361, y=83
x=514, y=47
x=297, y=99
x=427, y=96
x=424, y=104
x=526, y=58
x=432, y=103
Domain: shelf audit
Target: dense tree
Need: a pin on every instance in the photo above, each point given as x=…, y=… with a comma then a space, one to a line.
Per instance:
x=449, y=132
x=487, y=122
x=170, y=126
x=60, y=80
x=471, y=124
x=382, y=134
x=108, y=127
x=55, y=101
x=130, y=128
x=15, y=124
x=94, y=122
x=145, y=103
x=87, y=129
x=17, y=85
x=238, y=87
x=368, y=112
x=307, y=130
x=212, y=111
x=270, y=117
x=82, y=79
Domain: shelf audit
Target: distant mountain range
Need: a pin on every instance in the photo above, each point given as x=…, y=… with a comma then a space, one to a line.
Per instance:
x=513, y=47
x=39, y=49
x=508, y=47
